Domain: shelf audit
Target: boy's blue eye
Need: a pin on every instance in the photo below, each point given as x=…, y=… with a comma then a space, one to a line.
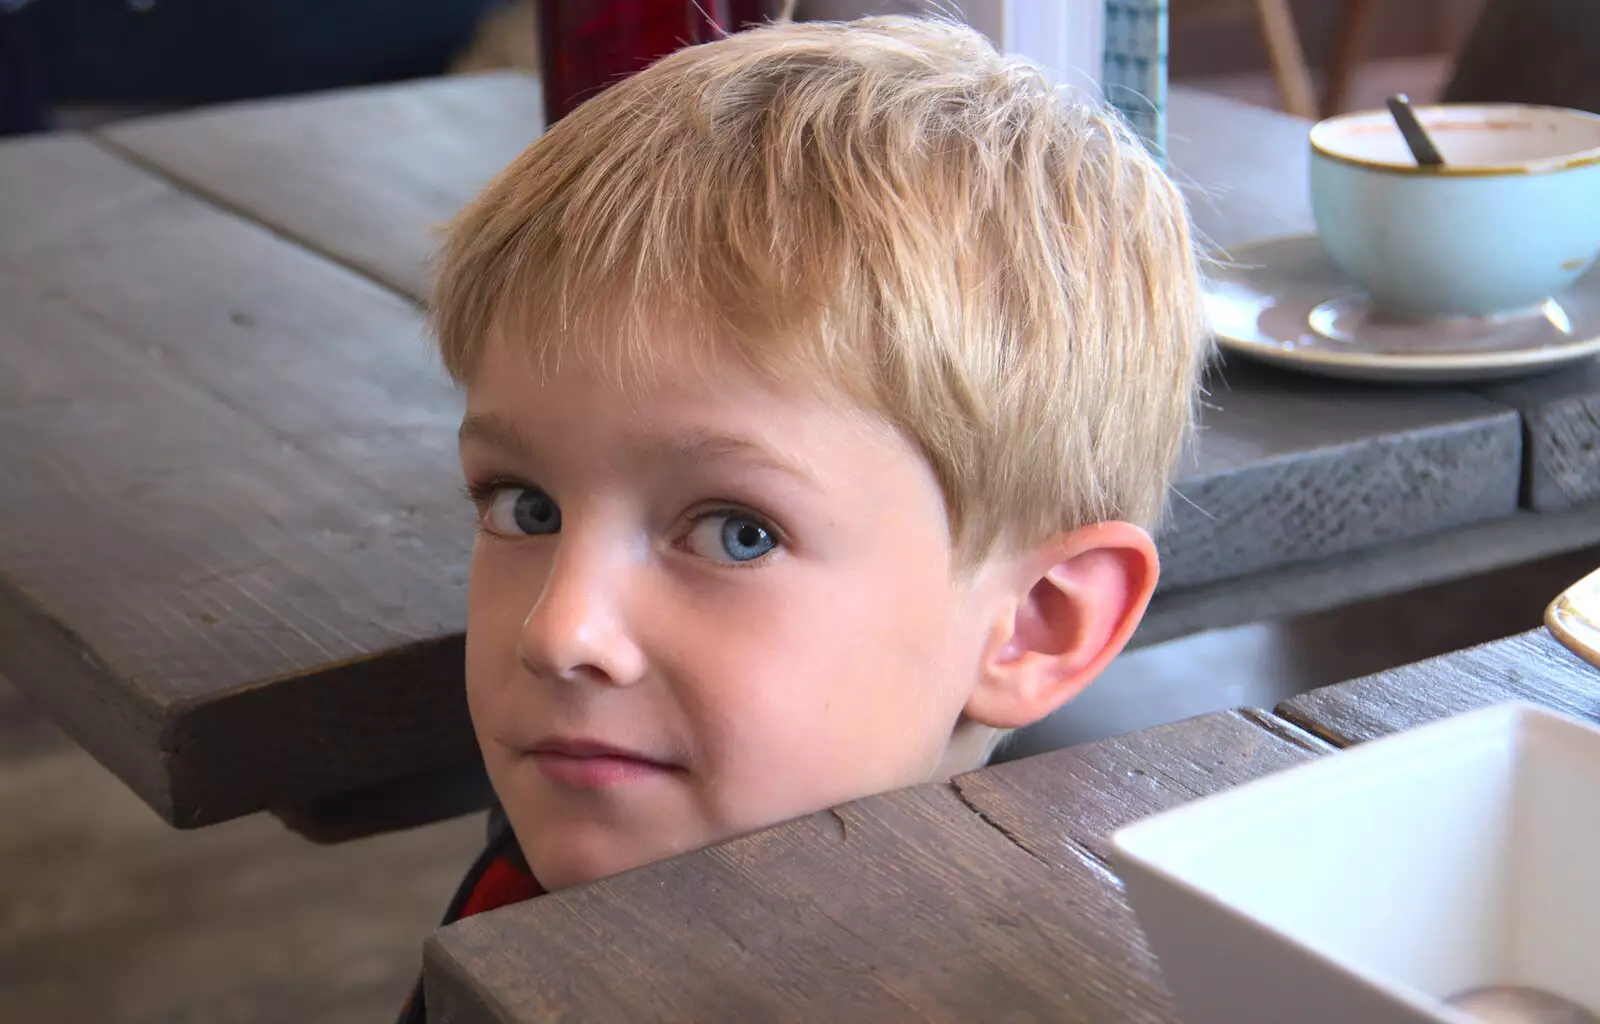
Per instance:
x=729, y=537
x=522, y=511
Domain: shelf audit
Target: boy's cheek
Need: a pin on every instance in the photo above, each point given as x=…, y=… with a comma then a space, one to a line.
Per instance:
x=493, y=624
x=501, y=589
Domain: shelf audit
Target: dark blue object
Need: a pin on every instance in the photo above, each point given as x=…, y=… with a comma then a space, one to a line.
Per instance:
x=204, y=51
x=23, y=103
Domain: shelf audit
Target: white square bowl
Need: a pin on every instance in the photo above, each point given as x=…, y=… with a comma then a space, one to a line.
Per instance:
x=1371, y=884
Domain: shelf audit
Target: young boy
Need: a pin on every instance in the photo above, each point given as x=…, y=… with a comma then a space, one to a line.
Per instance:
x=822, y=384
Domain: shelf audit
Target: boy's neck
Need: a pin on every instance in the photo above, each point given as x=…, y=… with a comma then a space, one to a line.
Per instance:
x=969, y=749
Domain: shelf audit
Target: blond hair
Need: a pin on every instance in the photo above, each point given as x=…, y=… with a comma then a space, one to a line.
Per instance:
x=888, y=208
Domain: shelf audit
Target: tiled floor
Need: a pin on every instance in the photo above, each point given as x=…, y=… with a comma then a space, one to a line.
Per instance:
x=109, y=916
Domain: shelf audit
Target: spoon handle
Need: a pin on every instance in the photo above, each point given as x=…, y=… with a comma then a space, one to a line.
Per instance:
x=1422, y=148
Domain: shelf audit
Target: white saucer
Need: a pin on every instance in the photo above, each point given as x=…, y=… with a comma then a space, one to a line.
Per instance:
x=1282, y=301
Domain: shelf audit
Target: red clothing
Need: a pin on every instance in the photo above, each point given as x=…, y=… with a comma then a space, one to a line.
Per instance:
x=498, y=878
x=505, y=881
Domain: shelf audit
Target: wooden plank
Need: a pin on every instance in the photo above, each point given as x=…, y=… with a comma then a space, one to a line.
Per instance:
x=1561, y=434
x=1292, y=469
x=902, y=906
x=229, y=464
x=1302, y=588
x=1530, y=666
x=1076, y=797
x=984, y=899
x=362, y=175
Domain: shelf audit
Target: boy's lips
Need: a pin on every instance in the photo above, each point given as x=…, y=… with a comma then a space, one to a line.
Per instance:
x=591, y=764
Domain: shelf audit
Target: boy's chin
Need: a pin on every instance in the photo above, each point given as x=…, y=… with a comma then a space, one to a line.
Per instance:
x=561, y=862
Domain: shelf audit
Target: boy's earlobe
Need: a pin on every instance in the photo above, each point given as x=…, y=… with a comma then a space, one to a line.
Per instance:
x=1077, y=601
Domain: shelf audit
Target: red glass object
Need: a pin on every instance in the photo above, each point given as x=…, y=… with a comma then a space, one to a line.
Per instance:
x=586, y=45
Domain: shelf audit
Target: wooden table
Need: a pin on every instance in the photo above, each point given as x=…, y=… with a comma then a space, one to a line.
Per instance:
x=212, y=332
x=232, y=558
x=1291, y=470
x=988, y=898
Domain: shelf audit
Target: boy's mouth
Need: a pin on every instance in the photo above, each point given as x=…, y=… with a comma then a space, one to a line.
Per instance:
x=589, y=764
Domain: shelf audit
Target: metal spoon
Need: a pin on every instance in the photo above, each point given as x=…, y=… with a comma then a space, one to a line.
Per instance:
x=1422, y=148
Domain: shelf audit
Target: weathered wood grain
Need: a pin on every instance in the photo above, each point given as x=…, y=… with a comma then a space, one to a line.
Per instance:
x=231, y=557
x=904, y=907
x=1561, y=434
x=1291, y=469
x=1530, y=666
x=1076, y=797
x=899, y=907
x=365, y=176
x=1302, y=588
x=987, y=899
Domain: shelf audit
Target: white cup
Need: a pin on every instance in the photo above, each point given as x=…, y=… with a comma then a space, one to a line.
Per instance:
x=1511, y=218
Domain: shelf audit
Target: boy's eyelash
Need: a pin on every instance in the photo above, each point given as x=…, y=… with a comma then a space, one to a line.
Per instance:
x=480, y=491
x=738, y=512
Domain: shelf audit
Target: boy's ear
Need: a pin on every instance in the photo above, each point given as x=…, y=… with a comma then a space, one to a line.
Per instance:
x=1071, y=605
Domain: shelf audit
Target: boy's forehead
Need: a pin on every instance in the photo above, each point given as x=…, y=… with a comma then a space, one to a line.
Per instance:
x=683, y=416
x=674, y=380
x=513, y=373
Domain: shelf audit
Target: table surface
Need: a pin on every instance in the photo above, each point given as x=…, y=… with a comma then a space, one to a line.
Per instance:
x=988, y=898
x=213, y=328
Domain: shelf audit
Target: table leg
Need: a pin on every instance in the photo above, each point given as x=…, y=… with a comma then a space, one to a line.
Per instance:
x=1355, y=21
x=390, y=806
x=1288, y=60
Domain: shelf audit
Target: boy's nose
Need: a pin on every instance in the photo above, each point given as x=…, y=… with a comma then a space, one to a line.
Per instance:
x=573, y=631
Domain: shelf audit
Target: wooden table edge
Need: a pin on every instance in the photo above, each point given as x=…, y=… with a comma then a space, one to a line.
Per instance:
x=452, y=989
x=59, y=656
x=1302, y=588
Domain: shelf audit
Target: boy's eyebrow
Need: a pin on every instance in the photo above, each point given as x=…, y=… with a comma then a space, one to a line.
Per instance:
x=494, y=430
x=693, y=446
x=697, y=446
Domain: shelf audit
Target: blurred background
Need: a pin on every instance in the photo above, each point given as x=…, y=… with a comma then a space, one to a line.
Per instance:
x=62, y=61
